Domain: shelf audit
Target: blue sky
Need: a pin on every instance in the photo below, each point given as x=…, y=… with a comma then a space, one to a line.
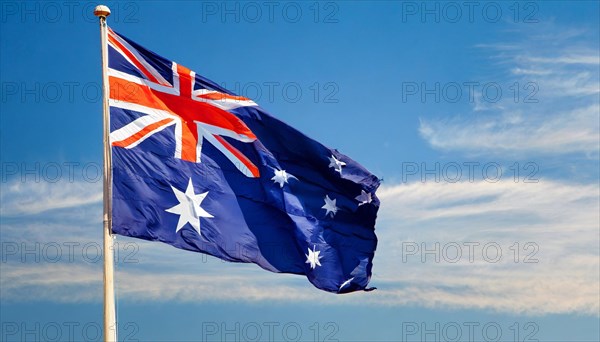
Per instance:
x=401, y=87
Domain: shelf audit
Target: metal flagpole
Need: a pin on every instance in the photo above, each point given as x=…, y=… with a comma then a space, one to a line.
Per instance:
x=110, y=322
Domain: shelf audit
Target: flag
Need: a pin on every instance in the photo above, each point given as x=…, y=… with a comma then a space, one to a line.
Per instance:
x=202, y=169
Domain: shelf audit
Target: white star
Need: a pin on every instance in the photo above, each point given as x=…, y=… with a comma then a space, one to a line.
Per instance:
x=330, y=206
x=364, y=198
x=282, y=177
x=336, y=164
x=189, y=209
x=313, y=257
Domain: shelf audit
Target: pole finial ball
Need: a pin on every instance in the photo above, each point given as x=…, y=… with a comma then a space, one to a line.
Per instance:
x=102, y=11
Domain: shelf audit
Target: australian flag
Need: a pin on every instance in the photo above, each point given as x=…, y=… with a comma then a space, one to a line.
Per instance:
x=202, y=169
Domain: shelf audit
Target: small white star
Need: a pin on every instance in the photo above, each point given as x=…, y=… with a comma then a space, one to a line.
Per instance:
x=313, y=257
x=336, y=164
x=364, y=198
x=330, y=206
x=189, y=209
x=282, y=177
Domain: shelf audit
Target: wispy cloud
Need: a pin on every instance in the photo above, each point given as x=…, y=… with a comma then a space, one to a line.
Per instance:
x=556, y=111
x=561, y=219
x=28, y=198
x=83, y=283
x=516, y=132
x=569, y=59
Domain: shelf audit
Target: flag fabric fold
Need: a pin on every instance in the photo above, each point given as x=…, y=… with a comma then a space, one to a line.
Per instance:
x=202, y=169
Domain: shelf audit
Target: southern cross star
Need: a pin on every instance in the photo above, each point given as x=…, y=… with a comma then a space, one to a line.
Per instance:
x=313, y=257
x=329, y=206
x=336, y=164
x=189, y=209
x=364, y=198
x=282, y=177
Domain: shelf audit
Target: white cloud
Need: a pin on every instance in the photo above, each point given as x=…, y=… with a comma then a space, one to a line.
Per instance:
x=569, y=131
x=560, y=218
x=34, y=197
x=59, y=282
x=556, y=110
x=73, y=283
x=591, y=59
x=519, y=71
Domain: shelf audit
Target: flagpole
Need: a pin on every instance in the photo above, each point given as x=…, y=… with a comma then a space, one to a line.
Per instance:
x=110, y=322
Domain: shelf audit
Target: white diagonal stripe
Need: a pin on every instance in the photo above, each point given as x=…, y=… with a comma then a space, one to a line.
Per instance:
x=140, y=59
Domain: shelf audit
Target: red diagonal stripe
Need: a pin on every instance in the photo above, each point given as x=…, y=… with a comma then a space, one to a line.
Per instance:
x=223, y=96
x=253, y=169
x=142, y=133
